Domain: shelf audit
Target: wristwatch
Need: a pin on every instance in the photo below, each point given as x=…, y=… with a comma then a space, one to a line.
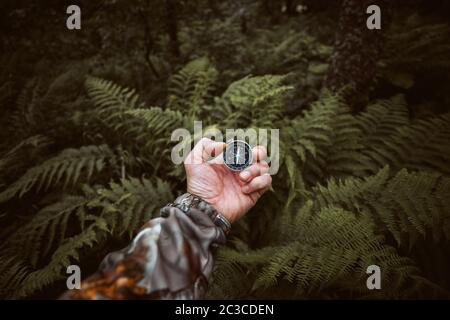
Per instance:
x=188, y=200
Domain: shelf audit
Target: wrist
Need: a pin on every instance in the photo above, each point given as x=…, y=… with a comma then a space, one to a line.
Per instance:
x=188, y=201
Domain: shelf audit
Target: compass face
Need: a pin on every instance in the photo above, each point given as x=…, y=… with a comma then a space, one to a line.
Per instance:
x=237, y=155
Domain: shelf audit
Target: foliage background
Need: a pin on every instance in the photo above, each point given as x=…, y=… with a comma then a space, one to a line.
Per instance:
x=86, y=118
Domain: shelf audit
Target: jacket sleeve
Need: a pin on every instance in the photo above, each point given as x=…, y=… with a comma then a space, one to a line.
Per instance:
x=170, y=258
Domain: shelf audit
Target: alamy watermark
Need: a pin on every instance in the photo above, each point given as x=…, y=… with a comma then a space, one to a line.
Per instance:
x=373, y=281
x=373, y=22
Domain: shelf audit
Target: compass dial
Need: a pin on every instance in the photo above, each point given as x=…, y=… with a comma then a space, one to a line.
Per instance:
x=237, y=155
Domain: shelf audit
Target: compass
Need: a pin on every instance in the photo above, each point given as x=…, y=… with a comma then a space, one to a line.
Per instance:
x=237, y=155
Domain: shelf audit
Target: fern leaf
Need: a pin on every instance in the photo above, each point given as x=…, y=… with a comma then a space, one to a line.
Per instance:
x=68, y=164
x=190, y=88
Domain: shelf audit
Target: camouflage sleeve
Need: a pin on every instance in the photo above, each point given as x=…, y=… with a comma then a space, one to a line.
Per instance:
x=170, y=258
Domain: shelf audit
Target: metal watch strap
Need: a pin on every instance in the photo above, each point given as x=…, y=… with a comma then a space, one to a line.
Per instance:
x=187, y=201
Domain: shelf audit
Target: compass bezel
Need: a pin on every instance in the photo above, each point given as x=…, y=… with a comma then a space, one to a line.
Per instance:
x=247, y=163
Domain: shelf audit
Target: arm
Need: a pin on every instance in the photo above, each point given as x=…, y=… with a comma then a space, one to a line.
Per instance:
x=172, y=256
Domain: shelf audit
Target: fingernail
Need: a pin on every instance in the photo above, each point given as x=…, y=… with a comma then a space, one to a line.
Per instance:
x=245, y=175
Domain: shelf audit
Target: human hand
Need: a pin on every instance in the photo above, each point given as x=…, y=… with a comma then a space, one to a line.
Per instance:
x=230, y=193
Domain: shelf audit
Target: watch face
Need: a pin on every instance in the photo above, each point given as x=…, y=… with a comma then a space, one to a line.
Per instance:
x=237, y=155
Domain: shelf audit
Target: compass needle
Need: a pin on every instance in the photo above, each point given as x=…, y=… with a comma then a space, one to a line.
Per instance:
x=237, y=155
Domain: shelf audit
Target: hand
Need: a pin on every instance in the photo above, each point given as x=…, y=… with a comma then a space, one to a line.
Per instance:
x=230, y=193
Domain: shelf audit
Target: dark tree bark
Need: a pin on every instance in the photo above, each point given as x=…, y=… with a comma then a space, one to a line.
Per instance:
x=291, y=7
x=172, y=26
x=356, y=53
x=273, y=10
x=149, y=42
x=214, y=8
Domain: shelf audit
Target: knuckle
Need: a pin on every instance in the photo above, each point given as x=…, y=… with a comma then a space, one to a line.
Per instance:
x=261, y=150
x=207, y=140
x=264, y=164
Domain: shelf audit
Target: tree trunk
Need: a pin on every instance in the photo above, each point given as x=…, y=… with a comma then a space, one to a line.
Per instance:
x=172, y=26
x=214, y=8
x=356, y=53
x=291, y=7
x=148, y=42
x=273, y=10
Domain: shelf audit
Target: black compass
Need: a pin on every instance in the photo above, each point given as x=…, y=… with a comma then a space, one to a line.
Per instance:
x=237, y=155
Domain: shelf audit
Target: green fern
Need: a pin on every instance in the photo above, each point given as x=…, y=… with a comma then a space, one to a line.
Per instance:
x=18, y=153
x=24, y=120
x=108, y=95
x=339, y=145
x=325, y=141
x=65, y=168
x=125, y=206
x=424, y=144
x=318, y=252
x=121, y=208
x=13, y=272
x=408, y=205
x=126, y=119
x=358, y=189
x=190, y=89
x=304, y=138
x=391, y=138
x=46, y=230
x=340, y=230
x=158, y=121
x=419, y=48
x=112, y=101
x=65, y=255
x=252, y=102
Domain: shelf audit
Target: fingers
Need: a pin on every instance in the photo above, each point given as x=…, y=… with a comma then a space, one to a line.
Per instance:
x=256, y=169
x=260, y=183
x=259, y=153
x=212, y=151
x=259, y=166
x=204, y=150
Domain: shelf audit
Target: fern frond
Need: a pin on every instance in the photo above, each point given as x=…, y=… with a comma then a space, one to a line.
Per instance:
x=12, y=272
x=382, y=118
x=323, y=248
x=408, y=205
x=108, y=95
x=424, y=144
x=314, y=252
x=112, y=101
x=11, y=157
x=64, y=256
x=325, y=141
x=190, y=88
x=25, y=119
x=121, y=208
x=148, y=128
x=157, y=120
x=391, y=138
x=419, y=47
x=304, y=138
x=45, y=231
x=65, y=168
x=253, y=102
x=127, y=205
